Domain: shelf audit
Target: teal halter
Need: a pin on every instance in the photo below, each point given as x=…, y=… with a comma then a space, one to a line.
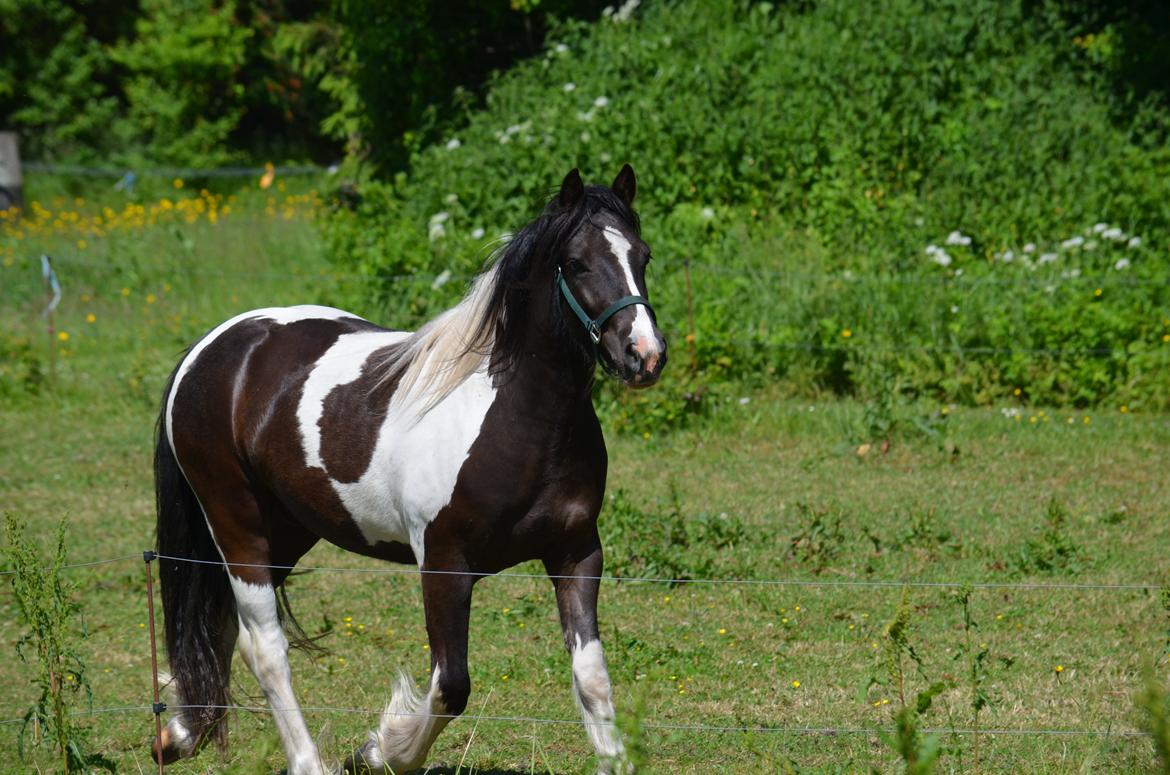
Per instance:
x=593, y=325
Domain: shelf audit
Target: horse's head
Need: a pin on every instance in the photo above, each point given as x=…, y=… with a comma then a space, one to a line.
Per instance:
x=601, y=279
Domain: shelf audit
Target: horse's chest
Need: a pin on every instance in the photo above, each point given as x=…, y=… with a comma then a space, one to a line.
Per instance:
x=409, y=465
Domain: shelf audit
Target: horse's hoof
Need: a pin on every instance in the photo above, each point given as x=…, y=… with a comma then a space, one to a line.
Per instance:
x=163, y=749
x=366, y=760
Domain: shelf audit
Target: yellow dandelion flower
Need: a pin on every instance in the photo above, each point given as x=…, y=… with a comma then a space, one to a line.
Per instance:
x=81, y=244
x=150, y=298
x=90, y=318
x=796, y=684
x=1124, y=409
x=63, y=336
x=504, y=677
x=1086, y=420
x=177, y=182
x=347, y=619
x=1097, y=292
x=1016, y=392
x=125, y=291
x=1059, y=668
x=722, y=630
x=846, y=333
x=1166, y=337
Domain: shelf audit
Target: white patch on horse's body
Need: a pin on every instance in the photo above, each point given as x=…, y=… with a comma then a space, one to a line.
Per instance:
x=591, y=689
x=281, y=315
x=642, y=333
x=415, y=464
x=265, y=650
x=341, y=364
x=409, y=726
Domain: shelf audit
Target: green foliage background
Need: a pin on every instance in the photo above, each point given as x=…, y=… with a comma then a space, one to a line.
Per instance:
x=802, y=158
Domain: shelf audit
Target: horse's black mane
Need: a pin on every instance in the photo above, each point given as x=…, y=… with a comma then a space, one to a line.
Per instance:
x=534, y=250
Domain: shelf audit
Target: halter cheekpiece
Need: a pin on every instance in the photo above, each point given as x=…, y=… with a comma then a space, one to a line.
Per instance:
x=593, y=325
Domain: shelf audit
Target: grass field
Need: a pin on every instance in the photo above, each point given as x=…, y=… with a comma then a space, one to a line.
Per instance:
x=767, y=488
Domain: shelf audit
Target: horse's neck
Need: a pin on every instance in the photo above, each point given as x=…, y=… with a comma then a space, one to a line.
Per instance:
x=547, y=372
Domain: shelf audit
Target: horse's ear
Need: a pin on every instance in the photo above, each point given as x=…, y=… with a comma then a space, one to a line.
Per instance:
x=624, y=185
x=572, y=189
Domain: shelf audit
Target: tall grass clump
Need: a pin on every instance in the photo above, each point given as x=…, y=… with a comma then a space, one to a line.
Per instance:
x=49, y=616
x=956, y=193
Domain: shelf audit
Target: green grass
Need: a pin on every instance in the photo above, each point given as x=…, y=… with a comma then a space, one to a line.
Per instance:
x=719, y=655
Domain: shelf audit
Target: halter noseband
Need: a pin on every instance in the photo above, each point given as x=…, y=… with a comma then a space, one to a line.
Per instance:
x=593, y=325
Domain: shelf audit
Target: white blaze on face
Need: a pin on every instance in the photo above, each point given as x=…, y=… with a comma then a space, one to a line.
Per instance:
x=642, y=334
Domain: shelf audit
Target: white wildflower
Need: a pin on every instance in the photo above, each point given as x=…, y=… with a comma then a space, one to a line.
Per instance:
x=1047, y=258
x=958, y=238
x=1030, y=247
x=1010, y=411
x=1099, y=227
x=441, y=280
x=570, y=86
x=744, y=401
x=958, y=273
x=919, y=221
x=440, y=217
x=1073, y=242
x=477, y=232
x=1091, y=245
x=585, y=116
x=1008, y=257
x=451, y=199
x=453, y=143
x=954, y=309
x=561, y=48
x=601, y=101
x=626, y=10
x=1134, y=242
x=605, y=157
x=938, y=255
x=1122, y=264
x=585, y=137
x=435, y=232
x=708, y=213
x=1115, y=234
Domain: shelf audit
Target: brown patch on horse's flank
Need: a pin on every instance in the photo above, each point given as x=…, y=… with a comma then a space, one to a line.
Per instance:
x=353, y=415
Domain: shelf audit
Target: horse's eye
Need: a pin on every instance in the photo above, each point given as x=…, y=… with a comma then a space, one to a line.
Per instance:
x=576, y=267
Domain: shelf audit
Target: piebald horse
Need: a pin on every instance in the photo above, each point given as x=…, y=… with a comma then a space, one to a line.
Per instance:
x=465, y=447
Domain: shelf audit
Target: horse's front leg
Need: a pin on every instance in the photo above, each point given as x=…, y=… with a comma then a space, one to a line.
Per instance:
x=575, y=577
x=411, y=721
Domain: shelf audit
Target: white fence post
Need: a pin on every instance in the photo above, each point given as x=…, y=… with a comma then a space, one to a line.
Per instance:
x=10, y=180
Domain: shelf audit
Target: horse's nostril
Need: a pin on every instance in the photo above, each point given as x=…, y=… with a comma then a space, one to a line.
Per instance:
x=632, y=358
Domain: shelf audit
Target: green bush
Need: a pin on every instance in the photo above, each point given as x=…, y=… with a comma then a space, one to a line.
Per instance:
x=950, y=198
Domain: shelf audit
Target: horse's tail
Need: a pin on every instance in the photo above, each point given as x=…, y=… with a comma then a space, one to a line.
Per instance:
x=196, y=596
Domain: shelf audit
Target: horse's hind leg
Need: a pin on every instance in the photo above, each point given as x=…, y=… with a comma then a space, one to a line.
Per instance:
x=262, y=641
x=178, y=741
x=265, y=650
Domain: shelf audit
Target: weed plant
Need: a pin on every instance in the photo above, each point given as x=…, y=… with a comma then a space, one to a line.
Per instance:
x=50, y=616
